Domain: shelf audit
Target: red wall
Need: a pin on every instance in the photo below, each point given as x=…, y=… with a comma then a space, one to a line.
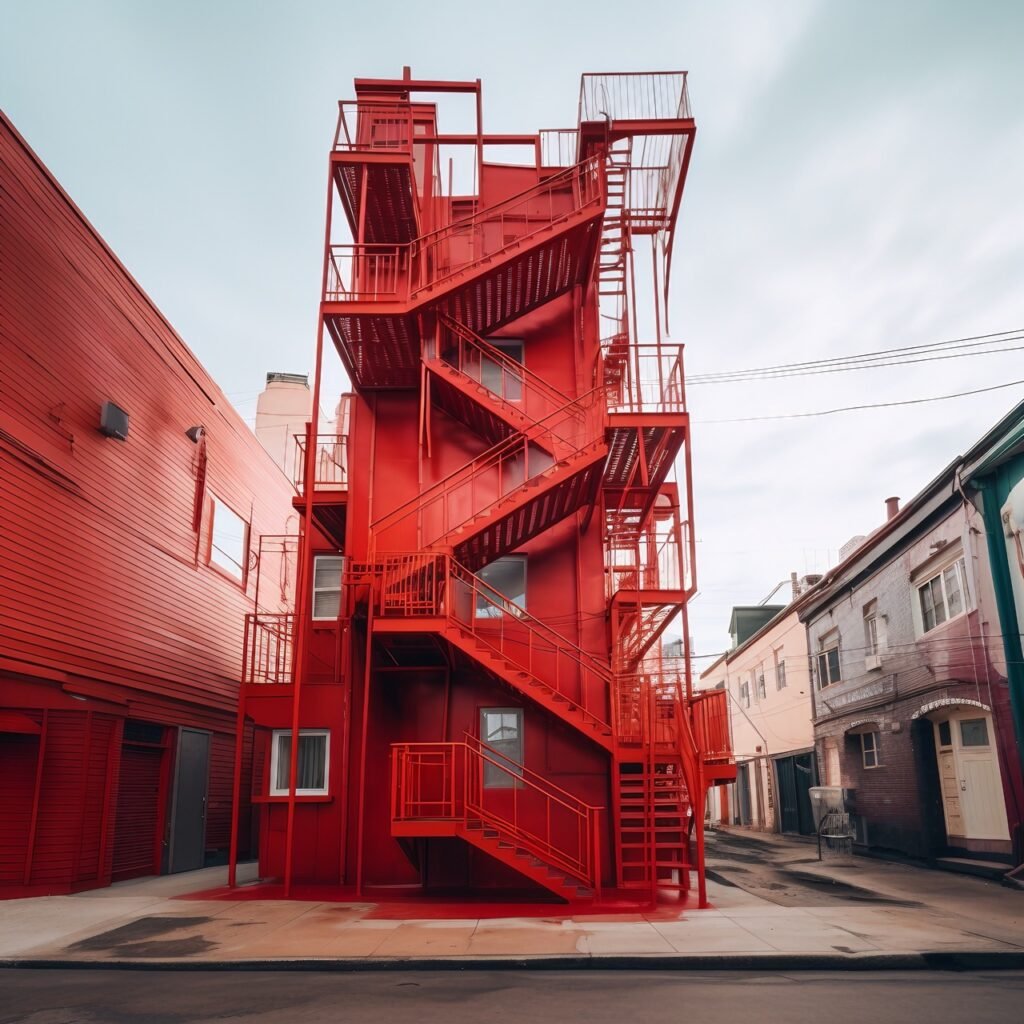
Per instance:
x=105, y=587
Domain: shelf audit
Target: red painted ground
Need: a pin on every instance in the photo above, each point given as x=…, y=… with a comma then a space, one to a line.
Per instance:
x=408, y=904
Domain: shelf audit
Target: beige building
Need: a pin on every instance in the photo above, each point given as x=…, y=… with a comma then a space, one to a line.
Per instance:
x=767, y=676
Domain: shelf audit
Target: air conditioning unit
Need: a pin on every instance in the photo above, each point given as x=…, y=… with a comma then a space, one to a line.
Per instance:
x=873, y=662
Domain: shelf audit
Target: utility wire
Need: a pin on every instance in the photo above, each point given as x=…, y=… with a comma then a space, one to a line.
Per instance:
x=881, y=357
x=871, y=405
x=809, y=372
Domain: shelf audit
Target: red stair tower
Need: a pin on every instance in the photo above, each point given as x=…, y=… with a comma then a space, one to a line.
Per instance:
x=469, y=693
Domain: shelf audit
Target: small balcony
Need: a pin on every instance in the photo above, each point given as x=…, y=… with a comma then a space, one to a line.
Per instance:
x=269, y=649
x=330, y=482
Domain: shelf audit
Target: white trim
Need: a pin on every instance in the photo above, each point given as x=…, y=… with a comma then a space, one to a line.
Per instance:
x=274, y=755
x=948, y=702
x=326, y=590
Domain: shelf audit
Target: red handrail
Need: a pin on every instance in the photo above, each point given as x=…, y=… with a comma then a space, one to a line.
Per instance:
x=400, y=272
x=510, y=457
x=429, y=584
x=446, y=781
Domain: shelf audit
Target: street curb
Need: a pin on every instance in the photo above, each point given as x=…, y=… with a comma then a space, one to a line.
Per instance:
x=930, y=961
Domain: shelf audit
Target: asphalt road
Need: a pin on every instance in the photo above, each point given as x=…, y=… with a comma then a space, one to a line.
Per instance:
x=495, y=997
x=775, y=874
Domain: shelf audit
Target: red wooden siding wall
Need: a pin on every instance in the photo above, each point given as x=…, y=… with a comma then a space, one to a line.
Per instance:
x=105, y=590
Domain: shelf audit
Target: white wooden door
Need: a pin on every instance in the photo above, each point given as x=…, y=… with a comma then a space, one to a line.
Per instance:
x=981, y=789
x=949, y=778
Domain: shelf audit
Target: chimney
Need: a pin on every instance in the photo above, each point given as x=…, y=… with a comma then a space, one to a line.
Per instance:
x=892, y=508
x=795, y=585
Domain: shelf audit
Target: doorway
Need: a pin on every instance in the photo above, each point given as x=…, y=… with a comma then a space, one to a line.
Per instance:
x=743, y=815
x=188, y=812
x=969, y=779
x=796, y=775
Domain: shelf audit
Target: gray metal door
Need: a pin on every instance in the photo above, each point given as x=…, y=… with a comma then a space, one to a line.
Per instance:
x=188, y=813
x=743, y=814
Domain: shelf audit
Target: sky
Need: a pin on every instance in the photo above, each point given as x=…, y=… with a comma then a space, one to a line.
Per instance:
x=855, y=186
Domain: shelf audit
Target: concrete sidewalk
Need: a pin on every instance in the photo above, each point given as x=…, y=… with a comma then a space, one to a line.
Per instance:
x=148, y=922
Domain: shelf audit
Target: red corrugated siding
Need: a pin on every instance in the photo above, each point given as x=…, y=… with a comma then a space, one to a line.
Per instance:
x=138, y=812
x=18, y=771
x=218, y=801
x=104, y=586
x=100, y=577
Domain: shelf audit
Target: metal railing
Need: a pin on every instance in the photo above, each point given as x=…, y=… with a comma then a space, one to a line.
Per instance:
x=559, y=147
x=367, y=272
x=647, y=707
x=510, y=465
x=709, y=712
x=446, y=781
x=633, y=96
x=644, y=378
x=374, y=125
x=435, y=585
x=330, y=462
x=503, y=376
x=651, y=558
x=371, y=272
x=269, y=654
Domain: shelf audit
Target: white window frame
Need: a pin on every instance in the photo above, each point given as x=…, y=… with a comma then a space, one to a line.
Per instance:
x=275, y=750
x=745, y=693
x=326, y=590
x=959, y=567
x=780, y=669
x=875, y=749
x=826, y=644
x=506, y=777
x=760, y=688
x=226, y=564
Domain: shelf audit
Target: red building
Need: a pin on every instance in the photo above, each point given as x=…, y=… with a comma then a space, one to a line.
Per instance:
x=131, y=499
x=468, y=695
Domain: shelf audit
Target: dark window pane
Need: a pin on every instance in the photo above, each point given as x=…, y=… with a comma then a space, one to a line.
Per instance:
x=974, y=732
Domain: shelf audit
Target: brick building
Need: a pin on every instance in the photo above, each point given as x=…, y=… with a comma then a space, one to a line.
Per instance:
x=912, y=705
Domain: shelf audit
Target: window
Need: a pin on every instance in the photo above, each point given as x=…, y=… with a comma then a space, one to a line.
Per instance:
x=311, y=766
x=780, y=670
x=327, y=586
x=505, y=592
x=229, y=540
x=499, y=377
x=760, y=690
x=944, y=596
x=828, y=661
x=745, y=694
x=502, y=730
x=973, y=732
x=869, y=749
x=945, y=735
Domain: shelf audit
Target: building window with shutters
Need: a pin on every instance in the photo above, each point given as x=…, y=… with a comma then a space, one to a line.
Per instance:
x=501, y=729
x=311, y=766
x=327, y=587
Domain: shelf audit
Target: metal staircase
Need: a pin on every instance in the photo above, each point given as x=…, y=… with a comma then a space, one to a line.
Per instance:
x=514, y=491
x=518, y=817
x=434, y=593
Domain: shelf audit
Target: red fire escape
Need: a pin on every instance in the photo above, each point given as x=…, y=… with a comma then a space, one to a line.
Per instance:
x=410, y=305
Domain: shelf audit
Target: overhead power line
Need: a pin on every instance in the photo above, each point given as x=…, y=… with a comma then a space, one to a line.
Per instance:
x=871, y=405
x=956, y=348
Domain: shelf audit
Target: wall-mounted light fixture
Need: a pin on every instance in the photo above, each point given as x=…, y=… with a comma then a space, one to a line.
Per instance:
x=195, y=433
x=113, y=421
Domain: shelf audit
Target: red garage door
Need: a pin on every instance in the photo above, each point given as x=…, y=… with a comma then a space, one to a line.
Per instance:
x=136, y=842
